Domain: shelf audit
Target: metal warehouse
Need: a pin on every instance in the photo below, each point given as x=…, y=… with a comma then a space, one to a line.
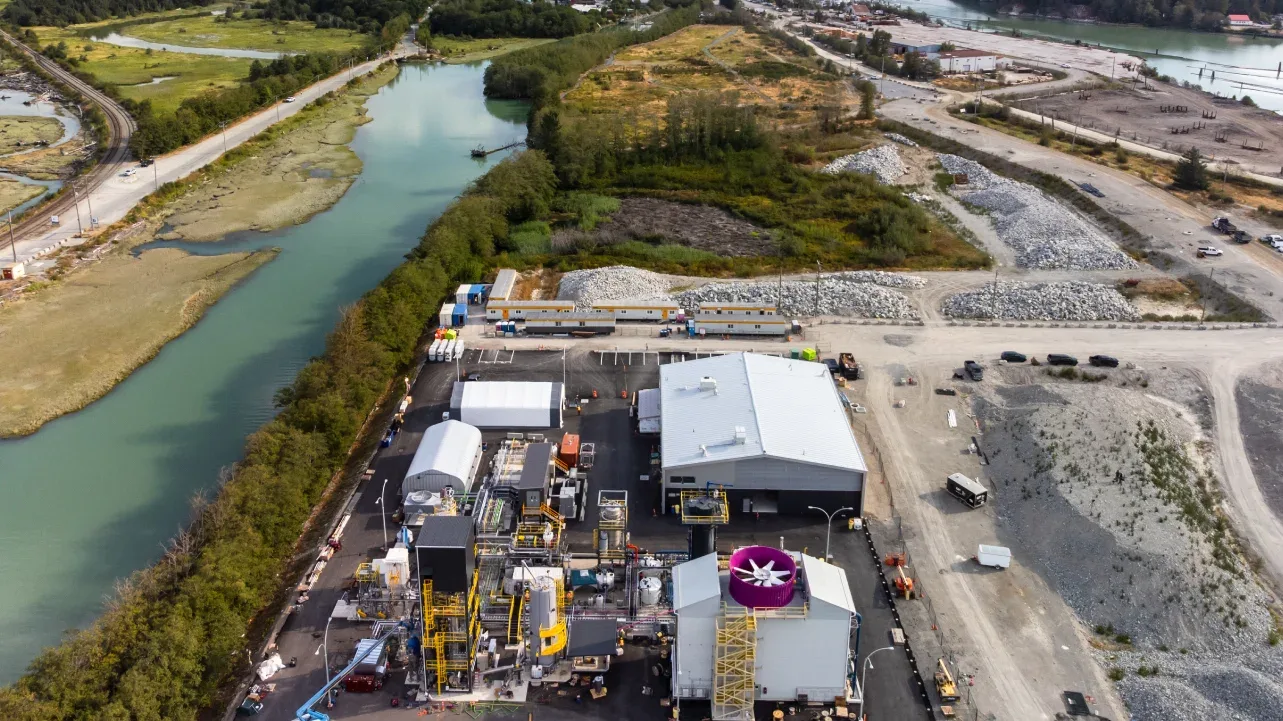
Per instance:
x=508, y=404
x=775, y=626
x=758, y=425
x=448, y=456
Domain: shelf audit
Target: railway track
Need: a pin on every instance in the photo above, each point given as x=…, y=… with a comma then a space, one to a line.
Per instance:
x=120, y=126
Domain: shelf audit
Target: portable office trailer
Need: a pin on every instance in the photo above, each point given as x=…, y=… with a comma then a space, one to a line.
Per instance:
x=508, y=404
x=735, y=310
x=745, y=325
x=445, y=316
x=589, y=322
x=504, y=283
x=658, y=311
x=521, y=309
x=459, y=315
x=968, y=491
x=476, y=294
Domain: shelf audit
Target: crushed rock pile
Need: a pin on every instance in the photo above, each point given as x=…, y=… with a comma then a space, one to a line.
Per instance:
x=883, y=162
x=1063, y=301
x=862, y=294
x=615, y=282
x=1044, y=233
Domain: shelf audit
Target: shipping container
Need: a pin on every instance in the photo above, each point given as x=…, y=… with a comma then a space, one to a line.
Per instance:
x=458, y=350
x=434, y=350
x=461, y=294
x=444, y=315
x=459, y=315
x=447, y=352
x=968, y=491
x=569, y=450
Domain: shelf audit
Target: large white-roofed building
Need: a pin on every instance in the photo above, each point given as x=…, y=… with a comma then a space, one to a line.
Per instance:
x=773, y=432
x=508, y=404
x=448, y=456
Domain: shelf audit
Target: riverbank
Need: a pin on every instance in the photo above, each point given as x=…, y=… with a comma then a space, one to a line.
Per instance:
x=75, y=339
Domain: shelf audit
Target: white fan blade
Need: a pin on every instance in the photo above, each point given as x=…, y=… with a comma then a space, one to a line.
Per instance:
x=769, y=565
x=780, y=574
x=773, y=581
x=754, y=565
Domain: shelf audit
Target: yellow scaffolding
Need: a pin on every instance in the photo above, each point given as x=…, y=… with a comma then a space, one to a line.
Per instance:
x=616, y=550
x=733, y=665
x=534, y=522
x=451, y=622
x=720, y=515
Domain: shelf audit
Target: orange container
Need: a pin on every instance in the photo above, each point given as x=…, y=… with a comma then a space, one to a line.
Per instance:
x=569, y=451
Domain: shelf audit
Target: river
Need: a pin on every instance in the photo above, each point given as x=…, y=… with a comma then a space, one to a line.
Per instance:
x=126, y=41
x=93, y=495
x=1178, y=53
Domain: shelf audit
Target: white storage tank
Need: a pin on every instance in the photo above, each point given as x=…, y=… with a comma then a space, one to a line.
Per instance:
x=543, y=610
x=649, y=590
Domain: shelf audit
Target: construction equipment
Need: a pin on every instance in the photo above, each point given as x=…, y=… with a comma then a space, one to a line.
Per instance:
x=903, y=583
x=894, y=559
x=945, y=686
x=306, y=712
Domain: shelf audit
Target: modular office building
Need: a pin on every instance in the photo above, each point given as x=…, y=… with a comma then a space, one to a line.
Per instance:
x=773, y=432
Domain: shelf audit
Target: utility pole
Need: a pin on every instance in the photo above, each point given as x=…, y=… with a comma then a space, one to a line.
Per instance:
x=882, y=81
x=818, y=270
x=76, y=197
x=13, y=244
x=1203, y=316
x=1112, y=61
x=155, y=173
x=222, y=125
x=93, y=222
x=995, y=290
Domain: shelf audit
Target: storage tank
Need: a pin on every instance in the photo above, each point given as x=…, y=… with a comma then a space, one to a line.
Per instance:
x=648, y=590
x=543, y=611
x=605, y=580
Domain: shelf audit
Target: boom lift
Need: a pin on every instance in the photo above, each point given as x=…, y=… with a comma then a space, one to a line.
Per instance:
x=945, y=685
x=307, y=713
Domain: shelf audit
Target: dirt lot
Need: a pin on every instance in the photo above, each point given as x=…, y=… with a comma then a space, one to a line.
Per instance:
x=1137, y=115
x=694, y=226
x=1260, y=410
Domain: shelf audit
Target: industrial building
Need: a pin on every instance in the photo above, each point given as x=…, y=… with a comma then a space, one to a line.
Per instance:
x=508, y=404
x=757, y=425
x=966, y=60
x=774, y=626
x=448, y=456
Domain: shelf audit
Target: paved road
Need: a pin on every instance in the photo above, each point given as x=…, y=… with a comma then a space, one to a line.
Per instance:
x=120, y=126
x=116, y=194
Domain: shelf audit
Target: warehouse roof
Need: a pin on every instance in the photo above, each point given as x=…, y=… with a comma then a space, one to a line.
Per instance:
x=827, y=583
x=695, y=581
x=788, y=409
x=503, y=284
x=449, y=447
x=593, y=637
x=445, y=532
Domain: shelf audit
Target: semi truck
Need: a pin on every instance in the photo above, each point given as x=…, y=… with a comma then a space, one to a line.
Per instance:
x=1227, y=227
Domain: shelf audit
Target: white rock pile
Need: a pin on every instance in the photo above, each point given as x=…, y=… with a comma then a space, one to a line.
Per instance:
x=1044, y=233
x=616, y=282
x=1064, y=301
x=862, y=294
x=883, y=162
x=898, y=138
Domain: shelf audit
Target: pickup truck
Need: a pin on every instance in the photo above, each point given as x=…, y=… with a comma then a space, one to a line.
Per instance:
x=1224, y=225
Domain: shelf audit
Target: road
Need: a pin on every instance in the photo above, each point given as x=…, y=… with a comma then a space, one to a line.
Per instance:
x=116, y=194
x=119, y=124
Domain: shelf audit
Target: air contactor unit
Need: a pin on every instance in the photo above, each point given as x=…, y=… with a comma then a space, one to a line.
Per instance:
x=548, y=633
x=611, y=536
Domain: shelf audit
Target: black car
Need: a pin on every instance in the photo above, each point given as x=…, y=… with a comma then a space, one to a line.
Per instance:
x=974, y=370
x=145, y=162
x=1011, y=356
x=1103, y=361
x=1060, y=359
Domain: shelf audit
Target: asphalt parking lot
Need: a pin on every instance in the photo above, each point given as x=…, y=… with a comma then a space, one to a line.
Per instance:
x=622, y=463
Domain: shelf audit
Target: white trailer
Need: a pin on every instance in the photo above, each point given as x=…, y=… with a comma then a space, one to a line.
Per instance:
x=458, y=350
x=434, y=350
x=994, y=556
x=447, y=351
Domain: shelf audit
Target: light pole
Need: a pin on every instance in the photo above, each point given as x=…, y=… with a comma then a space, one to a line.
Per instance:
x=865, y=671
x=829, y=524
x=222, y=125
x=13, y=244
x=383, y=513
x=323, y=650
x=76, y=196
x=155, y=173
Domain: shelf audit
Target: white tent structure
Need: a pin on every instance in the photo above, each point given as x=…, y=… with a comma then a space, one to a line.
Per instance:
x=508, y=404
x=449, y=455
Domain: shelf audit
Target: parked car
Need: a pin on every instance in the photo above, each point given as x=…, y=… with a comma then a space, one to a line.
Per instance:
x=130, y=172
x=145, y=162
x=1206, y=251
x=974, y=370
x=1060, y=359
x=1272, y=238
x=1011, y=356
x=474, y=376
x=1103, y=361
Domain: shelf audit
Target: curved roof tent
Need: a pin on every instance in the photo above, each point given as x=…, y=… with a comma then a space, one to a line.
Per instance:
x=448, y=455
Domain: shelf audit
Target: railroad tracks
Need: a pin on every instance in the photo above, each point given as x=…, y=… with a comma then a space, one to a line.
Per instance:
x=120, y=127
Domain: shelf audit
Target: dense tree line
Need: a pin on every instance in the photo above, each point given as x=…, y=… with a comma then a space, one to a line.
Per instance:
x=178, y=633
x=70, y=12
x=203, y=114
x=510, y=18
x=1196, y=14
x=367, y=16
x=540, y=73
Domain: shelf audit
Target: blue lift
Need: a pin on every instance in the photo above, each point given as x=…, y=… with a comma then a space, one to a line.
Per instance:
x=307, y=713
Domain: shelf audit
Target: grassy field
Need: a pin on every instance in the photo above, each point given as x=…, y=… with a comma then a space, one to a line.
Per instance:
x=132, y=70
x=209, y=32
x=456, y=51
x=13, y=194
x=19, y=131
x=70, y=342
x=786, y=86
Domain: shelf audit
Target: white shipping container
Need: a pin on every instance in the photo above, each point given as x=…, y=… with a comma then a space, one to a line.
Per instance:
x=458, y=350
x=447, y=352
x=434, y=350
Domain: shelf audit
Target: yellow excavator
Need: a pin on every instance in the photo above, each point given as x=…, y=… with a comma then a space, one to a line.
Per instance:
x=945, y=685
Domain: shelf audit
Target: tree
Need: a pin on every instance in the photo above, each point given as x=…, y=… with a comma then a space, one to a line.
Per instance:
x=1248, y=101
x=867, y=94
x=1191, y=172
x=947, y=47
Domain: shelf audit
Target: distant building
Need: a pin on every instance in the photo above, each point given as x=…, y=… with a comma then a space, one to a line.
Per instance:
x=859, y=10
x=928, y=50
x=966, y=60
x=1239, y=21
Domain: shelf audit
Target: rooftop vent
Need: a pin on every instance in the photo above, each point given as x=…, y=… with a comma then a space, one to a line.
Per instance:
x=740, y=435
x=708, y=383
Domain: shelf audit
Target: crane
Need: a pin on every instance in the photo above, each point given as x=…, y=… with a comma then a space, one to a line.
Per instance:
x=307, y=713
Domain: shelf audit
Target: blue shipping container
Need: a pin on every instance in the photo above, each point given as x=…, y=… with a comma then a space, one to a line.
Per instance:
x=460, y=315
x=477, y=294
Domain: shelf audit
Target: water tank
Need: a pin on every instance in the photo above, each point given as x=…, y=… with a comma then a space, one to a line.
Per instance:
x=648, y=590
x=611, y=512
x=605, y=580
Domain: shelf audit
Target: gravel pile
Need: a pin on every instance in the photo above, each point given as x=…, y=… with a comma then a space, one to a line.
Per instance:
x=882, y=162
x=616, y=282
x=1044, y=233
x=896, y=137
x=1097, y=492
x=1070, y=300
x=862, y=294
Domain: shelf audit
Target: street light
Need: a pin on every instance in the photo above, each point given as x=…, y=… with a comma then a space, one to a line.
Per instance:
x=323, y=650
x=829, y=525
x=864, y=672
x=383, y=513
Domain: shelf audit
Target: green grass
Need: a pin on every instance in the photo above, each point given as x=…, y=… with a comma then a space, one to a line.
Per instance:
x=531, y=238
x=209, y=32
x=456, y=50
x=589, y=209
x=129, y=68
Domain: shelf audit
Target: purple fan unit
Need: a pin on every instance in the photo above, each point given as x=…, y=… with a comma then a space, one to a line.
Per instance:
x=762, y=577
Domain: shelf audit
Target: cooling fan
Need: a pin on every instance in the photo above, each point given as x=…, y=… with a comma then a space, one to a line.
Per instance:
x=762, y=575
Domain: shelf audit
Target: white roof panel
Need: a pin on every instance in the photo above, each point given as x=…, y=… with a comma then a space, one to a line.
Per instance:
x=695, y=581
x=827, y=582
x=450, y=448
x=648, y=403
x=789, y=409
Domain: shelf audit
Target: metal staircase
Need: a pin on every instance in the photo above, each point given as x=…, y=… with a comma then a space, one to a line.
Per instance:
x=734, y=664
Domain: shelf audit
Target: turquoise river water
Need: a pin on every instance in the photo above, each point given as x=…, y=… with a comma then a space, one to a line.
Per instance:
x=93, y=495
